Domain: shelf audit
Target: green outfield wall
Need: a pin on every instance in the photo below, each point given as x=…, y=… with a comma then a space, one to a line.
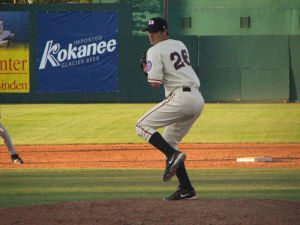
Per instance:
x=244, y=68
x=294, y=68
x=244, y=65
x=215, y=17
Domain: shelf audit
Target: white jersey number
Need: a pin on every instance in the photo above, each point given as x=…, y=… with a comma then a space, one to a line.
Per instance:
x=181, y=60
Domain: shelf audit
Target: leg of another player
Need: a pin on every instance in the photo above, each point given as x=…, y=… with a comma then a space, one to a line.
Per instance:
x=8, y=142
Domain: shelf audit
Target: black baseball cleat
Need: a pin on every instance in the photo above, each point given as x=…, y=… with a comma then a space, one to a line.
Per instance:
x=172, y=164
x=16, y=159
x=182, y=193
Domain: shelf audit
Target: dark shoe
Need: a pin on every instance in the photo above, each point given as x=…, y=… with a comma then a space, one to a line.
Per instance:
x=182, y=193
x=16, y=159
x=173, y=162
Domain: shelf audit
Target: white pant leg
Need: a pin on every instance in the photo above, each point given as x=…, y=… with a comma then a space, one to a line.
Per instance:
x=7, y=140
x=181, y=108
x=174, y=133
x=155, y=118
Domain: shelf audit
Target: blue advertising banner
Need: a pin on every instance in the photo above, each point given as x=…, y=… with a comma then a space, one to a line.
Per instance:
x=77, y=52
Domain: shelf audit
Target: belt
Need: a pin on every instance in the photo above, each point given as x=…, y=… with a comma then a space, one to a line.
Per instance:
x=188, y=89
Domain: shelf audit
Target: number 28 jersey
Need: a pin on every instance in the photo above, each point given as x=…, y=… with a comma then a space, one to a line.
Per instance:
x=168, y=63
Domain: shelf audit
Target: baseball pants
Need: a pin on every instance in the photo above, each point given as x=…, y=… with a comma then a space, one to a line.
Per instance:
x=177, y=114
x=7, y=140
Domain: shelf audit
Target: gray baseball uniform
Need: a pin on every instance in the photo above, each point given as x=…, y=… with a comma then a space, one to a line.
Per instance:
x=168, y=64
x=8, y=142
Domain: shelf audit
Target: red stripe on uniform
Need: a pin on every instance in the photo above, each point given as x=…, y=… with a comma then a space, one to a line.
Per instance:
x=144, y=130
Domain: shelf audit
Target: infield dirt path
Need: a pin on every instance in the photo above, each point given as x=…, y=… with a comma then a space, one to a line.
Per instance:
x=155, y=211
x=145, y=156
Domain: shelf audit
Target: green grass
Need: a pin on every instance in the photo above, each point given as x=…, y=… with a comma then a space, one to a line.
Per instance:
x=115, y=123
x=20, y=187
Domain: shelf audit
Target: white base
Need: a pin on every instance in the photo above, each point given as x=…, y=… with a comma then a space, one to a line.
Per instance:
x=254, y=159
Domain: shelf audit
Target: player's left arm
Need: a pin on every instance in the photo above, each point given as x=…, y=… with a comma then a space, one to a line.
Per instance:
x=154, y=85
x=143, y=63
x=154, y=68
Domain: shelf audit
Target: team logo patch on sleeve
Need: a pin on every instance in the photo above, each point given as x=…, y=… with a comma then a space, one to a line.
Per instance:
x=148, y=65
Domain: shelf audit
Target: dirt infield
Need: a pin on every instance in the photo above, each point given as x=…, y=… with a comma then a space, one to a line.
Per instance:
x=145, y=156
x=155, y=211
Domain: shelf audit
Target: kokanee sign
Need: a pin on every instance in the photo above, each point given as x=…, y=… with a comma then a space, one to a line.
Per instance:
x=55, y=55
x=77, y=52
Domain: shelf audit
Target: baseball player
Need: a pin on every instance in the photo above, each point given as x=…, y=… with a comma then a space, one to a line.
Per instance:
x=167, y=63
x=7, y=141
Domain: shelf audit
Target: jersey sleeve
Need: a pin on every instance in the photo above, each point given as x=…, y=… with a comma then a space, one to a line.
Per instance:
x=154, y=66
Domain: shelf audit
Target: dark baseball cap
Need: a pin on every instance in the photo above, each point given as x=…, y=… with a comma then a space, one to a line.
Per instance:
x=156, y=24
